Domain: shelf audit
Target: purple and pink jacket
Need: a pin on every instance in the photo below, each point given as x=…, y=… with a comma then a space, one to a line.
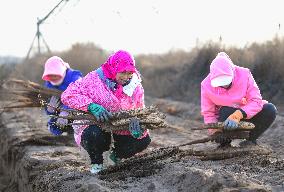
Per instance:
x=91, y=89
x=243, y=93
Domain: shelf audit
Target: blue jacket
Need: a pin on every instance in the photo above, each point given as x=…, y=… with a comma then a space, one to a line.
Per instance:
x=71, y=76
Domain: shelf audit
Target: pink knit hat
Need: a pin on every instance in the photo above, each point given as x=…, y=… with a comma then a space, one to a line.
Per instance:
x=221, y=70
x=54, y=66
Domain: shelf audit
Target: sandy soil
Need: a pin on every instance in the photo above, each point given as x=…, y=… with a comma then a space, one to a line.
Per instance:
x=33, y=160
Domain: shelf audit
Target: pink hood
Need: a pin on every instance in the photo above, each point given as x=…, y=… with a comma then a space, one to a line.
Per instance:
x=54, y=66
x=120, y=61
x=221, y=65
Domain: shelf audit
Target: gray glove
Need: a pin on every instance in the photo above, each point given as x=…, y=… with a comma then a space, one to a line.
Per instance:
x=53, y=103
x=135, y=128
x=62, y=121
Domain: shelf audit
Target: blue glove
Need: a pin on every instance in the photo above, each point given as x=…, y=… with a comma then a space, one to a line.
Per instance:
x=101, y=114
x=53, y=128
x=135, y=129
x=230, y=125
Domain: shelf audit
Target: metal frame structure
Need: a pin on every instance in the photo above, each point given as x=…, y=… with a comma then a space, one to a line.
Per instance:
x=39, y=35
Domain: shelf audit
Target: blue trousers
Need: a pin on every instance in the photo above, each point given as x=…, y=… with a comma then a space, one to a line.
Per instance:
x=261, y=120
x=96, y=141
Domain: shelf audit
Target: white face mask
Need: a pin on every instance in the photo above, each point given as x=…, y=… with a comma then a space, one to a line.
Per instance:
x=131, y=86
x=56, y=83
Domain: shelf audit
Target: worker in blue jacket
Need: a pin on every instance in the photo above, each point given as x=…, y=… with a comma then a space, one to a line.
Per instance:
x=58, y=75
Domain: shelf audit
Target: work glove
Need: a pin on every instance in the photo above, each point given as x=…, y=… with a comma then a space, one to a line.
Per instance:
x=135, y=129
x=53, y=103
x=232, y=122
x=101, y=114
x=62, y=121
x=55, y=130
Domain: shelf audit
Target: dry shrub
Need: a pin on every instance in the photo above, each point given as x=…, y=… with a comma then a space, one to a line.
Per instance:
x=85, y=57
x=30, y=69
x=187, y=88
x=160, y=71
x=268, y=68
x=177, y=74
x=6, y=70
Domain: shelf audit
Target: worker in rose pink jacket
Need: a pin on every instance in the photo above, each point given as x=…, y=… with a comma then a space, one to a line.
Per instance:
x=115, y=86
x=229, y=94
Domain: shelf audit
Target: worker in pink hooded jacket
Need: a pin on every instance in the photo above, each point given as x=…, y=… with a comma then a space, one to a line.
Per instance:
x=115, y=86
x=229, y=94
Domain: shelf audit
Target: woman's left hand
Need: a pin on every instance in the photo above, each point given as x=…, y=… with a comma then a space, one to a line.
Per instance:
x=135, y=128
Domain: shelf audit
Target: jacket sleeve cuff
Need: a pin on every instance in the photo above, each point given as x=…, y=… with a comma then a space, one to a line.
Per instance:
x=65, y=107
x=244, y=113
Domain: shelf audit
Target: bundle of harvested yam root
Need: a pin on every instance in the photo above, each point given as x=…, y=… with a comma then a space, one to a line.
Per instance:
x=21, y=94
x=242, y=132
x=149, y=118
x=30, y=94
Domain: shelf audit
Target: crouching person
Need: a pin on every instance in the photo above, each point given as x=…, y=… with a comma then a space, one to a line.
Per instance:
x=115, y=86
x=58, y=75
x=230, y=94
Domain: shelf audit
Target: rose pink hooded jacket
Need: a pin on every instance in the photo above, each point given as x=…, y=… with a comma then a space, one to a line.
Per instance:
x=243, y=93
x=91, y=89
